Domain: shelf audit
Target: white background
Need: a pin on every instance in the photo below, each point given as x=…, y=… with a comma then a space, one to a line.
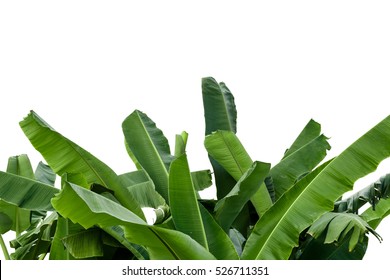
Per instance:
x=84, y=66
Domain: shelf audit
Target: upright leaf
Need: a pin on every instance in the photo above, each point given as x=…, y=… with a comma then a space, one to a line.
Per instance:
x=220, y=114
x=311, y=131
x=183, y=201
x=277, y=232
x=298, y=163
x=150, y=147
x=64, y=156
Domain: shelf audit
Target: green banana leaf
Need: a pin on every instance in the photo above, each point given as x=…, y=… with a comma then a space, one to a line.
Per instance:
x=20, y=218
x=64, y=156
x=35, y=243
x=181, y=143
x=44, y=174
x=311, y=131
x=317, y=250
x=228, y=208
x=201, y=179
x=26, y=193
x=57, y=249
x=375, y=217
x=371, y=194
x=219, y=243
x=277, y=232
x=84, y=244
x=90, y=209
x=297, y=163
x=238, y=240
x=228, y=151
x=150, y=148
x=220, y=114
x=183, y=201
x=338, y=225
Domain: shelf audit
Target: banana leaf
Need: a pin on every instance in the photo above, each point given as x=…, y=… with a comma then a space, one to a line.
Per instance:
x=338, y=225
x=317, y=250
x=228, y=208
x=311, y=131
x=277, y=232
x=149, y=146
x=26, y=193
x=90, y=209
x=64, y=156
x=220, y=114
x=297, y=163
x=371, y=194
x=375, y=216
x=228, y=151
x=219, y=243
x=44, y=174
x=84, y=244
x=183, y=201
x=181, y=143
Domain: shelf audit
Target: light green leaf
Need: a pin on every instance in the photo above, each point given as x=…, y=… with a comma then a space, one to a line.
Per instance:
x=150, y=148
x=91, y=209
x=218, y=241
x=277, y=232
x=64, y=156
x=375, y=217
x=183, y=201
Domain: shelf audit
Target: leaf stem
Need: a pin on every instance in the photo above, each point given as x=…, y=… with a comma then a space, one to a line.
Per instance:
x=4, y=248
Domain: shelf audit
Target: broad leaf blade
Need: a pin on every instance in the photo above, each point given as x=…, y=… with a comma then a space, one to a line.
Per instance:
x=277, y=232
x=183, y=201
x=300, y=162
x=64, y=156
x=218, y=241
x=311, y=131
x=45, y=174
x=226, y=148
x=92, y=209
x=26, y=193
x=150, y=147
x=228, y=208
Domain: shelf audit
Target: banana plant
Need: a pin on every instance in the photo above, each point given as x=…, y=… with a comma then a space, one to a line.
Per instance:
x=294, y=209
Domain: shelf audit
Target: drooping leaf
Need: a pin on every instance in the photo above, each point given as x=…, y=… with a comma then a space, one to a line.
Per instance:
x=228, y=208
x=375, y=217
x=64, y=156
x=317, y=250
x=370, y=194
x=63, y=229
x=91, y=209
x=277, y=232
x=150, y=147
x=338, y=225
x=183, y=201
x=5, y=222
